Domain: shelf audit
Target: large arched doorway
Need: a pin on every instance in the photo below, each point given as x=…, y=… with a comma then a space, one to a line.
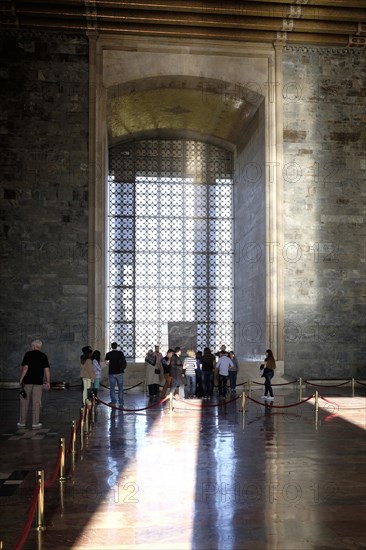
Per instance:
x=220, y=94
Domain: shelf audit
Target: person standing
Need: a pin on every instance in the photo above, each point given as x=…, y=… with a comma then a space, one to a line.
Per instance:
x=176, y=373
x=233, y=371
x=35, y=368
x=166, y=368
x=116, y=362
x=189, y=369
x=223, y=365
x=208, y=365
x=87, y=374
x=152, y=373
x=268, y=373
x=97, y=371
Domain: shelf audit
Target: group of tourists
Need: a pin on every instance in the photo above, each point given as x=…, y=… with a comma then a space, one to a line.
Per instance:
x=91, y=372
x=193, y=376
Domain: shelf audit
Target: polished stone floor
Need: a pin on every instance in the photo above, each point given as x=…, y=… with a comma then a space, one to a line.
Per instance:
x=199, y=477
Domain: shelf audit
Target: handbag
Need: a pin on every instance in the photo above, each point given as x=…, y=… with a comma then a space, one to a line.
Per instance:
x=262, y=369
x=157, y=371
x=151, y=359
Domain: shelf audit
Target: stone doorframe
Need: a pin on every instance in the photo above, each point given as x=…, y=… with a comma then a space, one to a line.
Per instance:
x=264, y=62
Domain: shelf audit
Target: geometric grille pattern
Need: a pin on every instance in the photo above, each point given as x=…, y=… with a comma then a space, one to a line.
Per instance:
x=170, y=243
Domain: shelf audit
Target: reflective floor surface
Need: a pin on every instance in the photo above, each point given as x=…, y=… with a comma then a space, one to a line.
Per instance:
x=199, y=477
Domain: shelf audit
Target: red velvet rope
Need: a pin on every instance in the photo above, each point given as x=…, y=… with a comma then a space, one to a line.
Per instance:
x=282, y=384
x=27, y=526
x=124, y=389
x=48, y=484
x=202, y=406
x=134, y=410
x=280, y=406
x=324, y=386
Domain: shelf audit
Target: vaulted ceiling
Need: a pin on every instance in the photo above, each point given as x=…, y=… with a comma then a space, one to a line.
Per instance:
x=321, y=22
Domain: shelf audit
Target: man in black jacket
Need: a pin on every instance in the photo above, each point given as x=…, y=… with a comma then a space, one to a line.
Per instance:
x=116, y=362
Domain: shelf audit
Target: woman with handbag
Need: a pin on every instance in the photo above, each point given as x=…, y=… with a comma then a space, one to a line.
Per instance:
x=268, y=372
x=152, y=373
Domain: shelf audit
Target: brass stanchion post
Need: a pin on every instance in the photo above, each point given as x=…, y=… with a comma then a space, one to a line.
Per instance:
x=353, y=387
x=300, y=388
x=86, y=425
x=81, y=428
x=316, y=408
x=243, y=397
x=62, y=463
x=40, y=504
x=243, y=407
x=93, y=409
x=73, y=436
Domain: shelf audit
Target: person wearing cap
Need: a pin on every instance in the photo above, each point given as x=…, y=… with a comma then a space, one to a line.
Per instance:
x=116, y=362
x=86, y=371
x=35, y=368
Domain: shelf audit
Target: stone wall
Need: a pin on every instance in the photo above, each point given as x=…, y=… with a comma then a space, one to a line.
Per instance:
x=44, y=199
x=250, y=247
x=324, y=220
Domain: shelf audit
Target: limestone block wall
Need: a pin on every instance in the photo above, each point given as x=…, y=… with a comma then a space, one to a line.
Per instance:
x=324, y=212
x=250, y=243
x=43, y=199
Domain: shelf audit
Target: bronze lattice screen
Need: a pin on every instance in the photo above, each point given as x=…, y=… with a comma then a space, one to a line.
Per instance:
x=170, y=243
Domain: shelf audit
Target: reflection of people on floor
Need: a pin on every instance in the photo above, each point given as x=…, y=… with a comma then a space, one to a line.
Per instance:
x=35, y=368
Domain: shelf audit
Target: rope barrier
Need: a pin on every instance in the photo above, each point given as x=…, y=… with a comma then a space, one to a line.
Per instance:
x=133, y=410
x=325, y=386
x=124, y=389
x=49, y=483
x=282, y=384
x=281, y=406
x=203, y=406
x=359, y=382
x=28, y=524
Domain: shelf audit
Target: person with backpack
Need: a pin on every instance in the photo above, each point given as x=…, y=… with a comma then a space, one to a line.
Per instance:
x=116, y=362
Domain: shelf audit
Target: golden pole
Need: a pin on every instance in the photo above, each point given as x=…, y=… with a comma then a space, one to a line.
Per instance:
x=353, y=387
x=81, y=428
x=73, y=436
x=243, y=401
x=40, y=503
x=300, y=388
x=316, y=409
x=62, y=463
x=86, y=425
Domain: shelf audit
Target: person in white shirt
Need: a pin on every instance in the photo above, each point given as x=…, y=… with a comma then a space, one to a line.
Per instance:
x=223, y=365
x=189, y=369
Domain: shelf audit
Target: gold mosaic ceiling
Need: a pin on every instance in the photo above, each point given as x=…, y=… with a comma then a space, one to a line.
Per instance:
x=179, y=105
